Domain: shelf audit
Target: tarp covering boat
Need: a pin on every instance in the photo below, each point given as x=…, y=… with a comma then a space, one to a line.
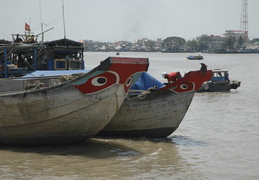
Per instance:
x=146, y=81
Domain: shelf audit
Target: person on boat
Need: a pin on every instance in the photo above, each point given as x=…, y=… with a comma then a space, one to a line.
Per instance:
x=171, y=77
x=18, y=39
x=226, y=77
x=203, y=68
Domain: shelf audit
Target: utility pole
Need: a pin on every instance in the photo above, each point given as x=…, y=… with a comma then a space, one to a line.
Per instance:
x=244, y=18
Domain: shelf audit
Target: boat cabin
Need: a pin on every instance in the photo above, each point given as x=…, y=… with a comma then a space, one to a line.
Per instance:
x=63, y=54
x=24, y=56
x=220, y=76
x=18, y=59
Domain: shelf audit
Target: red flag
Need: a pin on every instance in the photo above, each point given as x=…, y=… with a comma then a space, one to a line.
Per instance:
x=27, y=27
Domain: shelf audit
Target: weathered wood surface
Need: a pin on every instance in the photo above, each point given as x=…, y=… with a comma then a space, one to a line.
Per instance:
x=160, y=112
x=157, y=115
x=69, y=112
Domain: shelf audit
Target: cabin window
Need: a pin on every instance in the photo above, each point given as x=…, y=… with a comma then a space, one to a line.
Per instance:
x=60, y=64
x=74, y=64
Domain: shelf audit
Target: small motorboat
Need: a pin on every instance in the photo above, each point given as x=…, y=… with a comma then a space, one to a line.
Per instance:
x=219, y=82
x=191, y=57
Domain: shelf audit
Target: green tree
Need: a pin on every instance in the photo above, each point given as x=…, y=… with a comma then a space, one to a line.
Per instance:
x=203, y=43
x=193, y=44
x=241, y=41
x=150, y=45
x=229, y=43
x=173, y=43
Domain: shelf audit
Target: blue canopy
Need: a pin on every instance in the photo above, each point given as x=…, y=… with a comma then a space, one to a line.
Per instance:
x=55, y=73
x=146, y=81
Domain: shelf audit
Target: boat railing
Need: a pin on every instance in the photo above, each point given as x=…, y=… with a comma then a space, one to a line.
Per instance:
x=28, y=83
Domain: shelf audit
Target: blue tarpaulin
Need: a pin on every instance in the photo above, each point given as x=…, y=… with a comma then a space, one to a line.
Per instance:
x=55, y=73
x=146, y=81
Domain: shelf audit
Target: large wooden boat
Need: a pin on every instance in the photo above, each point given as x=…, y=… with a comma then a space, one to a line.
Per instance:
x=43, y=110
x=158, y=109
x=24, y=55
x=219, y=82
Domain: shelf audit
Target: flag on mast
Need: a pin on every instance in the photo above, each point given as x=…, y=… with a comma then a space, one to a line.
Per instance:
x=27, y=27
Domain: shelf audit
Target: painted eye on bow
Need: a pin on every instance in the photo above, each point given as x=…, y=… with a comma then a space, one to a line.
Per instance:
x=187, y=86
x=129, y=81
x=128, y=84
x=183, y=86
x=99, y=81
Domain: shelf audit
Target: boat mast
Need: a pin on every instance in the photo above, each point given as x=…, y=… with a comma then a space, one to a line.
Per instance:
x=64, y=19
x=42, y=35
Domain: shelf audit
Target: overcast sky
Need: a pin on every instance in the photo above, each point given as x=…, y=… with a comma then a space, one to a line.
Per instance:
x=115, y=20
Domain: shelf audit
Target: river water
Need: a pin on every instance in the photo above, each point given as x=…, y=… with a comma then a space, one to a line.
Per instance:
x=218, y=138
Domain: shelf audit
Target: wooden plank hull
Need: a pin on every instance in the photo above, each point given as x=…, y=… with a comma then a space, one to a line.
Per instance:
x=157, y=115
x=49, y=119
x=70, y=112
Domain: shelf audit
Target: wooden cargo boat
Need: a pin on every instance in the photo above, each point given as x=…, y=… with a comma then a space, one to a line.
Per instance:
x=158, y=109
x=219, y=82
x=40, y=110
x=22, y=56
x=191, y=57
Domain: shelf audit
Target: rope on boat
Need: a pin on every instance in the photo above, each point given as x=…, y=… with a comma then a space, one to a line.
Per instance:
x=143, y=94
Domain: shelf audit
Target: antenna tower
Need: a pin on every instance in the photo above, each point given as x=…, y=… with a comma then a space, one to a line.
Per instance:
x=244, y=18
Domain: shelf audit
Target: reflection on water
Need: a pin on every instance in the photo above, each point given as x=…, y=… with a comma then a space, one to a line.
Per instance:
x=138, y=158
x=186, y=141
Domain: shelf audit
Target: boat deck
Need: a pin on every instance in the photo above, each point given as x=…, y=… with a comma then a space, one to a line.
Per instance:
x=10, y=93
x=10, y=86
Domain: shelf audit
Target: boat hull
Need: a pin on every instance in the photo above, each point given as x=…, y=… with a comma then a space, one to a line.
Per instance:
x=219, y=86
x=70, y=112
x=157, y=115
x=156, y=112
x=45, y=118
x=195, y=57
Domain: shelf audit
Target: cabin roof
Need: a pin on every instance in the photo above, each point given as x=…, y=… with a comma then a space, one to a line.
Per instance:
x=218, y=70
x=63, y=42
x=18, y=47
x=5, y=42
